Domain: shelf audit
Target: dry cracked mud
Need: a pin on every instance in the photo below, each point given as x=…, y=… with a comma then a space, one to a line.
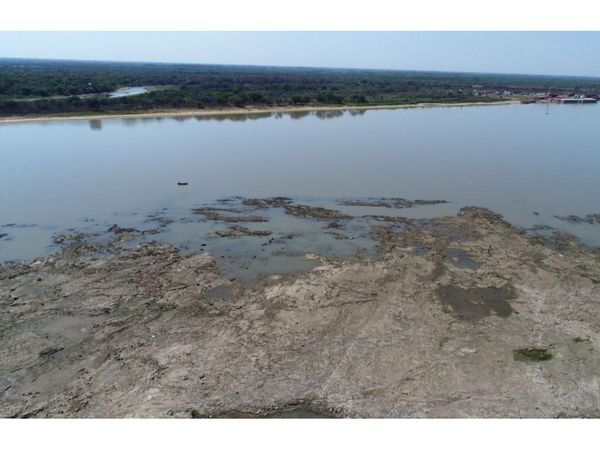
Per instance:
x=103, y=331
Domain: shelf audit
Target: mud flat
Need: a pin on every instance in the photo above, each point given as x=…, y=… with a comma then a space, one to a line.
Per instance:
x=460, y=316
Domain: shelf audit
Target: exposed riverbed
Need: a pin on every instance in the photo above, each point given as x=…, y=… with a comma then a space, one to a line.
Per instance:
x=302, y=265
x=463, y=316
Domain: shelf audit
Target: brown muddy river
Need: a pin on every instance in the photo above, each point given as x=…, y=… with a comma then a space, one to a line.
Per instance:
x=86, y=175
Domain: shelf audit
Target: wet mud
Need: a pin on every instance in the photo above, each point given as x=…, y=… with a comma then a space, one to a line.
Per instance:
x=238, y=231
x=573, y=218
x=396, y=202
x=476, y=302
x=316, y=212
x=267, y=202
x=216, y=215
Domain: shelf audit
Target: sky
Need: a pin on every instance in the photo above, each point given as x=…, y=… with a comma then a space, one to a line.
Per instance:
x=548, y=53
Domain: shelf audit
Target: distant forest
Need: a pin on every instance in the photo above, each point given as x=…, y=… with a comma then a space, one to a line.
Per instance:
x=52, y=86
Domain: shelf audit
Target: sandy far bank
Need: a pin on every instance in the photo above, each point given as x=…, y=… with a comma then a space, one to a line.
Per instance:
x=237, y=111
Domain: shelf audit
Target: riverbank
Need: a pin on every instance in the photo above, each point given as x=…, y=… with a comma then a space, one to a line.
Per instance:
x=235, y=111
x=462, y=316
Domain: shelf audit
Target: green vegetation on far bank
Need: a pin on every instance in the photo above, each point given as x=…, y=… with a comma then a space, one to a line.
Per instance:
x=39, y=87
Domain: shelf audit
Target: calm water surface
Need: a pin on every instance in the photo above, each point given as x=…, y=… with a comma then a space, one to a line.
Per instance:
x=514, y=159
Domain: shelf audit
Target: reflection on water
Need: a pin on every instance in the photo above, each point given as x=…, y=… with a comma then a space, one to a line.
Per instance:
x=333, y=114
x=357, y=112
x=298, y=114
x=240, y=117
x=513, y=159
x=95, y=124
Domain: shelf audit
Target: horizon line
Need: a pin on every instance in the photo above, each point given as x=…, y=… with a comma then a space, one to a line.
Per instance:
x=363, y=69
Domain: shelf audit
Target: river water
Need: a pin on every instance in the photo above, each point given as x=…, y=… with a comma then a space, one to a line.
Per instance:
x=517, y=160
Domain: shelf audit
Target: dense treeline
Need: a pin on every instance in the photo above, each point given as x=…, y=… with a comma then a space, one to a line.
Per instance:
x=41, y=87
